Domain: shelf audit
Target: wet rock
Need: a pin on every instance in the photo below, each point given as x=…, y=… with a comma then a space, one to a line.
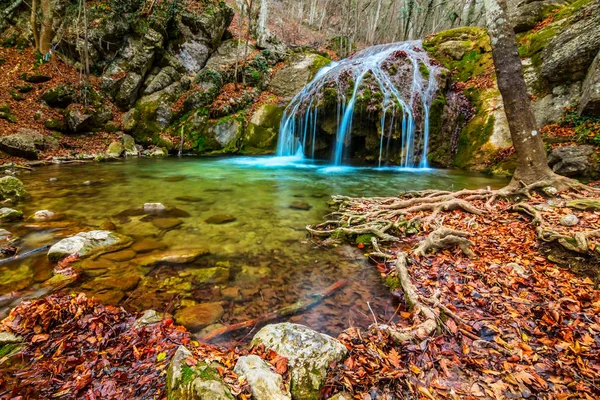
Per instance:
x=166, y=223
x=252, y=274
x=309, y=354
x=129, y=146
x=189, y=199
x=300, y=205
x=115, y=150
x=203, y=276
x=120, y=256
x=590, y=99
x=12, y=188
x=147, y=245
x=108, y=226
x=10, y=215
x=77, y=121
x=94, y=265
x=86, y=244
x=569, y=220
x=153, y=207
x=231, y=293
x=573, y=160
x=220, y=219
x=197, y=317
x=122, y=283
x=264, y=383
x=156, y=152
x=44, y=215
x=198, y=382
x=109, y=297
x=261, y=132
x=182, y=256
x=5, y=235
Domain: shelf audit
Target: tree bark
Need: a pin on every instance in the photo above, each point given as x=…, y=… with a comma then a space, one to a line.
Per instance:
x=532, y=163
x=261, y=31
x=46, y=32
x=34, y=27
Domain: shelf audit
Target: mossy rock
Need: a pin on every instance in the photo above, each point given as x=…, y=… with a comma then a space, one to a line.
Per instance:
x=261, y=133
x=55, y=124
x=585, y=204
x=12, y=188
x=12, y=118
x=59, y=96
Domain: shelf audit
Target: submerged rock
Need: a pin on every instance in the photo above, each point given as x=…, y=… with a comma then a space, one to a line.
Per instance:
x=309, y=354
x=166, y=223
x=85, y=244
x=264, y=383
x=197, y=382
x=153, y=207
x=198, y=316
x=202, y=276
x=12, y=188
x=220, y=219
x=179, y=256
x=300, y=205
x=10, y=215
x=147, y=245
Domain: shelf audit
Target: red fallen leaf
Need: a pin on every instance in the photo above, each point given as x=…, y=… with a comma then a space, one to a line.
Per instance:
x=40, y=338
x=361, y=246
x=168, y=321
x=191, y=362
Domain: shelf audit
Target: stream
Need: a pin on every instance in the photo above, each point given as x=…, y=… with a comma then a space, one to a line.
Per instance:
x=249, y=214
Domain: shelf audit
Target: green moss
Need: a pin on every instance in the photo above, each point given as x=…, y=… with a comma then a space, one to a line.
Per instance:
x=533, y=43
x=472, y=138
x=187, y=374
x=318, y=63
x=571, y=9
x=364, y=239
x=392, y=283
x=424, y=70
x=9, y=348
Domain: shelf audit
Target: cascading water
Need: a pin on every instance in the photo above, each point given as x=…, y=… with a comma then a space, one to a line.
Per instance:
x=404, y=82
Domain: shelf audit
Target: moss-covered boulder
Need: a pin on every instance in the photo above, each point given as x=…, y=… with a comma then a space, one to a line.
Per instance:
x=12, y=188
x=10, y=215
x=60, y=96
x=260, y=136
x=300, y=69
x=198, y=381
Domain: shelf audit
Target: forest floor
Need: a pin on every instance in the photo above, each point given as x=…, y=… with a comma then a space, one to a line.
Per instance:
x=485, y=316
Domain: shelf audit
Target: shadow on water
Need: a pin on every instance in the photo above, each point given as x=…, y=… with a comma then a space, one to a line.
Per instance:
x=249, y=214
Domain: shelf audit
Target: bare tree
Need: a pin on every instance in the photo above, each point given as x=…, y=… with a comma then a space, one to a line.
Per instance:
x=261, y=30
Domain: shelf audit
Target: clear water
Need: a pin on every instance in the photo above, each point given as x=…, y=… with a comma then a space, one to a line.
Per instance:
x=265, y=249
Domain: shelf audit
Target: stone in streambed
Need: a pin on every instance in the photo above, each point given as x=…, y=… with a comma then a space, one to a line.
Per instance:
x=147, y=245
x=153, y=207
x=181, y=256
x=86, y=244
x=309, y=355
x=231, y=293
x=569, y=220
x=202, y=276
x=166, y=223
x=10, y=215
x=120, y=256
x=197, y=317
x=197, y=382
x=189, y=199
x=300, y=205
x=12, y=188
x=264, y=383
x=122, y=282
x=220, y=219
x=5, y=235
x=115, y=150
x=44, y=215
x=109, y=297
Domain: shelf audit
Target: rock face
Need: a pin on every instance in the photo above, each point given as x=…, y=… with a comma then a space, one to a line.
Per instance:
x=264, y=383
x=309, y=354
x=528, y=13
x=590, y=99
x=574, y=161
x=12, y=188
x=570, y=53
x=85, y=244
x=26, y=144
x=300, y=70
x=199, y=382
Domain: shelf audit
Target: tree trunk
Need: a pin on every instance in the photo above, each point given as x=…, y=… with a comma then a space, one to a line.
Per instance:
x=34, y=27
x=261, y=31
x=532, y=163
x=46, y=32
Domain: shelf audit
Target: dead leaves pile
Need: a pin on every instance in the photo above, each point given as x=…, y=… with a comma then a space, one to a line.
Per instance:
x=531, y=328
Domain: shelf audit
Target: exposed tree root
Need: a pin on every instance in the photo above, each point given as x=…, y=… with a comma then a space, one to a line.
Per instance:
x=445, y=238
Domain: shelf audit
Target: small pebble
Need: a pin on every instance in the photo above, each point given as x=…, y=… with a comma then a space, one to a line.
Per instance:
x=53, y=179
x=569, y=220
x=154, y=207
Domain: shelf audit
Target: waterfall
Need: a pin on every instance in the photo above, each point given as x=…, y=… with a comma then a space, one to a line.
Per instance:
x=404, y=80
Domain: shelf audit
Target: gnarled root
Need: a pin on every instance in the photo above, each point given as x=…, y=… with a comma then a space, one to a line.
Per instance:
x=425, y=328
x=445, y=238
x=578, y=243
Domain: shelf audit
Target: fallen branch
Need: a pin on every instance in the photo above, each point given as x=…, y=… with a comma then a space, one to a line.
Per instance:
x=295, y=308
x=23, y=255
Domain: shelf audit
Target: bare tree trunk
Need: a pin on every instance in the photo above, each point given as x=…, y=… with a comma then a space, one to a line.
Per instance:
x=532, y=163
x=261, y=31
x=34, y=27
x=249, y=5
x=46, y=32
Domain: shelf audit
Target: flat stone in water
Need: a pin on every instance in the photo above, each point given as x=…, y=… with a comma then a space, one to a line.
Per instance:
x=147, y=245
x=300, y=205
x=176, y=178
x=189, y=199
x=85, y=244
x=110, y=297
x=153, y=207
x=166, y=223
x=10, y=215
x=220, y=219
x=183, y=256
x=123, y=255
x=122, y=282
x=197, y=317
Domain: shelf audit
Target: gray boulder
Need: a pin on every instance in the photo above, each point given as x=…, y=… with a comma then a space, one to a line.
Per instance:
x=226, y=130
x=77, y=120
x=264, y=383
x=10, y=215
x=129, y=146
x=590, y=99
x=550, y=108
x=12, y=188
x=26, y=143
x=569, y=55
x=162, y=79
x=529, y=12
x=569, y=220
x=225, y=55
x=299, y=70
x=86, y=244
x=115, y=149
x=198, y=382
x=573, y=160
x=309, y=354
